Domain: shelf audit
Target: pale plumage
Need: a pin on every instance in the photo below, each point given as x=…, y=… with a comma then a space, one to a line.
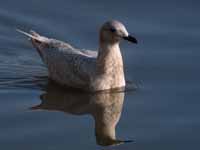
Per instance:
x=85, y=69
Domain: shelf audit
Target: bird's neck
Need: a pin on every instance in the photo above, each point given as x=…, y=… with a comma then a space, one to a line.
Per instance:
x=109, y=58
x=109, y=68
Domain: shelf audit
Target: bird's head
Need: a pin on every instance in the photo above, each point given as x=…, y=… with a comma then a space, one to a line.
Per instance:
x=114, y=31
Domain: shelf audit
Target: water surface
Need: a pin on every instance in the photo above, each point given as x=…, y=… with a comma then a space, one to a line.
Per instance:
x=163, y=113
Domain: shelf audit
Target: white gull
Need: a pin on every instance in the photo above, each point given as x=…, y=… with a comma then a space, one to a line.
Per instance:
x=85, y=69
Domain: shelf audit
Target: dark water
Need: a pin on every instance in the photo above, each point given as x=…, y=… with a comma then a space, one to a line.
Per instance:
x=163, y=113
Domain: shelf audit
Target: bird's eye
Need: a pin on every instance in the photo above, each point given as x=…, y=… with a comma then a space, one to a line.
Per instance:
x=113, y=30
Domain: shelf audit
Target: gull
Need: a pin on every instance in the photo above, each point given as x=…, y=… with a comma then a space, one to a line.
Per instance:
x=85, y=69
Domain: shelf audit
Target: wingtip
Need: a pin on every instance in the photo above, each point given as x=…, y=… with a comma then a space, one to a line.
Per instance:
x=27, y=34
x=18, y=30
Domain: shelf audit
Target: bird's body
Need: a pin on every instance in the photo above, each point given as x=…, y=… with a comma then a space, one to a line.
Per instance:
x=66, y=65
x=83, y=69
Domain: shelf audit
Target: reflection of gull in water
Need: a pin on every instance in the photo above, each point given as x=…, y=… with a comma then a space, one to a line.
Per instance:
x=105, y=108
x=86, y=69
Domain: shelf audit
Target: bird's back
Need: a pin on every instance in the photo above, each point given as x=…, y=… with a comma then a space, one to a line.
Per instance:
x=67, y=65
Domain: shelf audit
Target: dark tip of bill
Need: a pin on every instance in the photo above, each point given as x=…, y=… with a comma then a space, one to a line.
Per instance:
x=129, y=141
x=131, y=39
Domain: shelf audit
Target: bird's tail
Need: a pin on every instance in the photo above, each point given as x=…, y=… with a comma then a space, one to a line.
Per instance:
x=38, y=41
